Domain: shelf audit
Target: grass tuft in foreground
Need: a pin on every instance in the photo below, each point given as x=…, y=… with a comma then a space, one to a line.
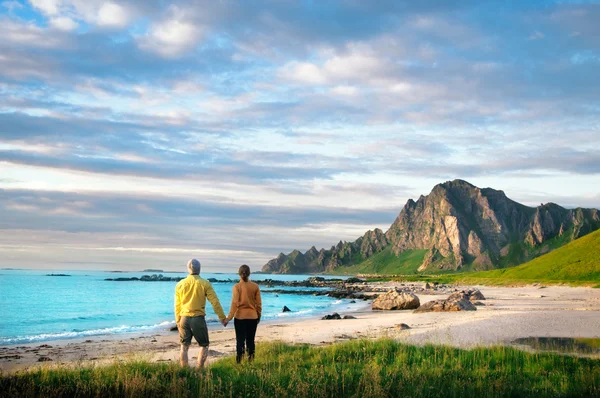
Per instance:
x=361, y=368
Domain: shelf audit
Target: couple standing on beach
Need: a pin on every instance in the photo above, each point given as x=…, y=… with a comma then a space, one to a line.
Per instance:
x=191, y=294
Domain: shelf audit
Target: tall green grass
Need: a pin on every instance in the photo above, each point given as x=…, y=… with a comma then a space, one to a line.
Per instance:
x=361, y=368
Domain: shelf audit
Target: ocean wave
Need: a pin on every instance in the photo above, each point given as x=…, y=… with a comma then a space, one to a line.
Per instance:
x=296, y=313
x=82, y=333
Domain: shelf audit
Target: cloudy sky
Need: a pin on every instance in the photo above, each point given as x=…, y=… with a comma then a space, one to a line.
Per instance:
x=139, y=133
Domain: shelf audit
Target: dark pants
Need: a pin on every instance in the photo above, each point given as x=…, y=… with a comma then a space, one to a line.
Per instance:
x=245, y=330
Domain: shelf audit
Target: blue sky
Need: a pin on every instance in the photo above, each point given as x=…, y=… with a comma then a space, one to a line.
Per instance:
x=138, y=134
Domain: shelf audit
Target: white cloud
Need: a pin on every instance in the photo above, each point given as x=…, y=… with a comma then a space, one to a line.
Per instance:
x=171, y=38
x=11, y=5
x=64, y=23
x=28, y=34
x=49, y=7
x=401, y=88
x=355, y=65
x=62, y=13
x=303, y=72
x=358, y=64
x=536, y=35
x=348, y=91
x=111, y=14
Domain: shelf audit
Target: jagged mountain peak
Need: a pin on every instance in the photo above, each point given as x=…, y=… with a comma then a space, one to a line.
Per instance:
x=453, y=184
x=460, y=226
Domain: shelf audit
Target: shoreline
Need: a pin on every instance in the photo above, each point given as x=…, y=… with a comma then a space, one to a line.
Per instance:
x=509, y=313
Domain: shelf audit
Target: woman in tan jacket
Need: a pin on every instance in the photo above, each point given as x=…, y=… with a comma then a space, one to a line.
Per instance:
x=246, y=307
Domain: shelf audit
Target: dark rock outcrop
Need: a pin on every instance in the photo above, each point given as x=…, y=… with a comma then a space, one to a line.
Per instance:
x=285, y=309
x=476, y=295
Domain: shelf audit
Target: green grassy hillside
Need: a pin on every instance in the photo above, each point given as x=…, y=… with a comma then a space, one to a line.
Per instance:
x=386, y=263
x=576, y=263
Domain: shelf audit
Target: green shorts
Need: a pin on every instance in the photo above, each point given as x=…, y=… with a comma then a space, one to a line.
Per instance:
x=193, y=326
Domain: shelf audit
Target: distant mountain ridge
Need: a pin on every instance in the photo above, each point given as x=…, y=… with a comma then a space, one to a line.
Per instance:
x=458, y=226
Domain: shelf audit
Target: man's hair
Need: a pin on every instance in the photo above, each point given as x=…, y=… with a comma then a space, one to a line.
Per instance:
x=244, y=272
x=193, y=267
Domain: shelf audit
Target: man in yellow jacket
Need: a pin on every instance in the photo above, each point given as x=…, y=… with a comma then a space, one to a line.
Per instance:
x=190, y=302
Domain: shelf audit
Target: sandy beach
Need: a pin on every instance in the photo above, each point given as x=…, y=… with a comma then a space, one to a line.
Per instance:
x=508, y=313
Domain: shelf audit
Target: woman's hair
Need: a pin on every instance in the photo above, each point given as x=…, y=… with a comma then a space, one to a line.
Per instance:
x=244, y=272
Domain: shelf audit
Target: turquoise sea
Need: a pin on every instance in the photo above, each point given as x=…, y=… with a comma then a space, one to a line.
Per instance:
x=35, y=307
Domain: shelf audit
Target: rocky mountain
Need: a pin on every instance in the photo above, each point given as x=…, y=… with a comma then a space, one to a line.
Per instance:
x=461, y=227
x=344, y=253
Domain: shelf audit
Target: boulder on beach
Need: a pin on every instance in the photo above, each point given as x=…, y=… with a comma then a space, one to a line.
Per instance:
x=476, y=296
x=354, y=280
x=285, y=309
x=335, y=315
x=349, y=317
x=394, y=300
x=473, y=295
x=455, y=302
x=432, y=306
x=402, y=326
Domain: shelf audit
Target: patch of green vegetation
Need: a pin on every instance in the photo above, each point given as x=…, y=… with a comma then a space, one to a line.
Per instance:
x=361, y=368
x=517, y=253
x=592, y=342
x=577, y=263
x=356, y=258
x=521, y=251
x=386, y=263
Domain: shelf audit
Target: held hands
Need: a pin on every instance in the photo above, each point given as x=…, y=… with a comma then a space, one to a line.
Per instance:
x=224, y=322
